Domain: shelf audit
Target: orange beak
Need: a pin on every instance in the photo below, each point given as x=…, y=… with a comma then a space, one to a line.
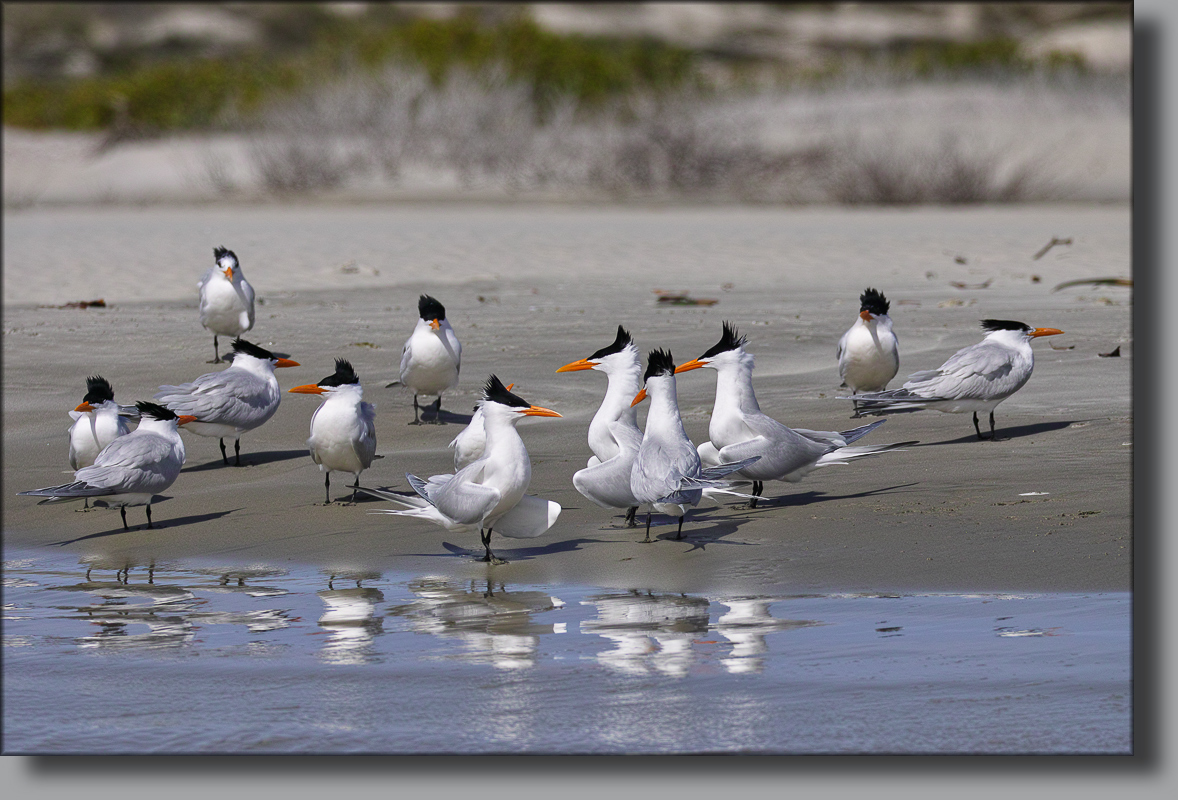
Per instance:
x=577, y=366
x=694, y=363
x=509, y=386
x=1045, y=332
x=537, y=411
x=307, y=388
x=865, y=315
x=286, y=362
x=638, y=398
x=184, y=419
x=229, y=273
x=437, y=326
x=84, y=407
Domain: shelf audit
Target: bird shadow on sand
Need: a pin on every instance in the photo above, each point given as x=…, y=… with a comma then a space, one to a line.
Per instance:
x=1004, y=434
x=156, y=525
x=517, y=554
x=252, y=460
x=444, y=417
x=806, y=498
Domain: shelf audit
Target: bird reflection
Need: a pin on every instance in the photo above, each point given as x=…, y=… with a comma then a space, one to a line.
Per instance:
x=353, y=622
x=649, y=631
x=745, y=624
x=492, y=624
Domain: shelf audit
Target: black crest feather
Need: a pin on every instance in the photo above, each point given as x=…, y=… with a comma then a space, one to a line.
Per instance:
x=343, y=375
x=496, y=392
x=729, y=340
x=873, y=301
x=659, y=362
x=98, y=390
x=250, y=349
x=429, y=308
x=618, y=345
x=155, y=410
x=221, y=252
x=991, y=325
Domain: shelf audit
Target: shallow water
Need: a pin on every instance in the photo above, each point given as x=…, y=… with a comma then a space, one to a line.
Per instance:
x=207, y=658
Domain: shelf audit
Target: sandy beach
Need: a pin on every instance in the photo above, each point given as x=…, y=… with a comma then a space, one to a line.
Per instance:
x=529, y=288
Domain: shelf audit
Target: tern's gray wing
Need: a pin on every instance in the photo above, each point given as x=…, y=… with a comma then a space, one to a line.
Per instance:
x=461, y=497
x=982, y=371
x=658, y=471
x=528, y=518
x=133, y=465
x=232, y=397
x=781, y=448
x=365, y=447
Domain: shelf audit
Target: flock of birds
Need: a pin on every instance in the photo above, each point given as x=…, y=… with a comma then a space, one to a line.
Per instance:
x=657, y=468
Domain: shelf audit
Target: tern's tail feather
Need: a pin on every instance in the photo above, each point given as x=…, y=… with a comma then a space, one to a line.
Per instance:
x=887, y=402
x=69, y=491
x=415, y=506
x=719, y=471
x=858, y=433
x=844, y=455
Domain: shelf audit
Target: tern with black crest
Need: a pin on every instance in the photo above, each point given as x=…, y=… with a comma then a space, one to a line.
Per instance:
x=343, y=427
x=98, y=421
x=975, y=378
x=471, y=441
x=489, y=493
x=226, y=299
x=869, y=353
x=432, y=356
x=667, y=474
x=132, y=469
x=614, y=436
x=233, y=401
x=739, y=429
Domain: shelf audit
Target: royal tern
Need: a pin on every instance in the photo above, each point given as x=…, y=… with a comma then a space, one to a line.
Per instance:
x=432, y=356
x=237, y=399
x=226, y=299
x=667, y=474
x=869, y=353
x=975, y=378
x=488, y=493
x=739, y=429
x=131, y=469
x=98, y=421
x=614, y=436
x=343, y=427
x=470, y=442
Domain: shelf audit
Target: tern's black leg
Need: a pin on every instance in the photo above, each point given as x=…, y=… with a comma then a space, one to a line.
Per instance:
x=757, y=487
x=416, y=419
x=216, y=354
x=237, y=451
x=123, y=512
x=88, y=572
x=975, y=425
x=991, y=424
x=489, y=557
x=679, y=533
x=630, y=515
x=355, y=488
x=647, y=539
x=327, y=489
x=438, y=411
x=149, y=515
x=224, y=457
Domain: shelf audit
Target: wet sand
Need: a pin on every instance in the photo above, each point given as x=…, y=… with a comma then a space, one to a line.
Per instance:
x=529, y=289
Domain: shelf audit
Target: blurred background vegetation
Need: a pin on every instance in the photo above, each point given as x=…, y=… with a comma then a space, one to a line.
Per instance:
x=163, y=67
x=782, y=102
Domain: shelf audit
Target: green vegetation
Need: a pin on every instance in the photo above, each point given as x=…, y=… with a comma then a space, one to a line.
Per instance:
x=194, y=94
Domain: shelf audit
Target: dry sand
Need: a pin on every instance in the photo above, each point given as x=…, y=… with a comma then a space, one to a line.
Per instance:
x=529, y=289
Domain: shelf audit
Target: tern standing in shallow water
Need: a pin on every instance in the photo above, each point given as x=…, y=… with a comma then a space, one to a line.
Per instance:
x=667, y=474
x=343, y=427
x=489, y=492
x=233, y=401
x=739, y=429
x=131, y=469
x=614, y=436
x=869, y=353
x=431, y=357
x=226, y=299
x=975, y=378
